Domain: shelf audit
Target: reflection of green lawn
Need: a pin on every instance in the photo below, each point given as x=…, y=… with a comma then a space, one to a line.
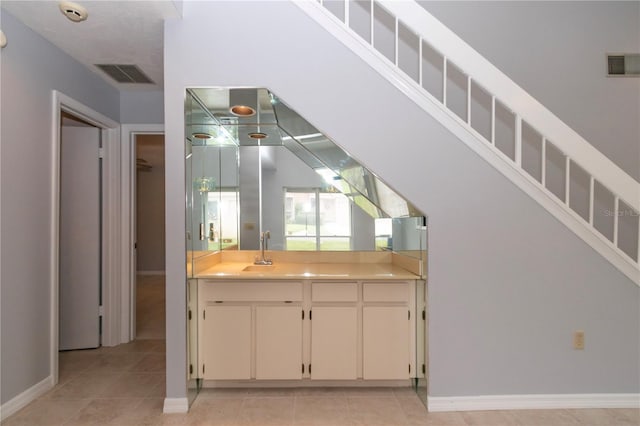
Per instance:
x=228, y=242
x=301, y=245
x=300, y=229
x=381, y=243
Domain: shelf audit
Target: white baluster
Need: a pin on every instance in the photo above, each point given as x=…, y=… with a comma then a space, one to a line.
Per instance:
x=372, y=23
x=346, y=12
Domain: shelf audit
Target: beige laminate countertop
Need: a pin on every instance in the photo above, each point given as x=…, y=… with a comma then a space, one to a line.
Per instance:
x=355, y=271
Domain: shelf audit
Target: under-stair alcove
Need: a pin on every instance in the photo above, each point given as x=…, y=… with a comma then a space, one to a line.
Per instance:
x=503, y=270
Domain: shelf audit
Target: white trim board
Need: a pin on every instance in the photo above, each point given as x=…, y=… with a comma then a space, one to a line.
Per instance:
x=175, y=405
x=538, y=402
x=21, y=400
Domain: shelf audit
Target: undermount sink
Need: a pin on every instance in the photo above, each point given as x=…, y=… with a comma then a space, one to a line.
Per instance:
x=258, y=268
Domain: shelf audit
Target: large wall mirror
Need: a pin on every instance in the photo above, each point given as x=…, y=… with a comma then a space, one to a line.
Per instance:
x=254, y=164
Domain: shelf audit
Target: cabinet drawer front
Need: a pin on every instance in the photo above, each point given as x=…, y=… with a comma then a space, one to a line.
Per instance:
x=245, y=291
x=386, y=292
x=334, y=292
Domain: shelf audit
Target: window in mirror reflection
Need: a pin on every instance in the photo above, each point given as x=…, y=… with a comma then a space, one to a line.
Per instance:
x=384, y=231
x=222, y=219
x=316, y=220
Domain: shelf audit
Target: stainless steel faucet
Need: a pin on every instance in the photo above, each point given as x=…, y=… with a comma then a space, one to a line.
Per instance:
x=264, y=245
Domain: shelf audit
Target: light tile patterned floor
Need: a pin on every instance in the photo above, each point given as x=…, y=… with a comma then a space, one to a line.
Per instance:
x=150, y=307
x=125, y=385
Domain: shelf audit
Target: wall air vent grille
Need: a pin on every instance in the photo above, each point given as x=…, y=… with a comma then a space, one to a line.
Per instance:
x=125, y=73
x=624, y=65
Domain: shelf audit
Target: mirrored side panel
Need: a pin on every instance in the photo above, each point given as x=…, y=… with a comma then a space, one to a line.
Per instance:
x=194, y=382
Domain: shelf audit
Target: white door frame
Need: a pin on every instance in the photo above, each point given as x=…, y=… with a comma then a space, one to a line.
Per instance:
x=128, y=222
x=110, y=133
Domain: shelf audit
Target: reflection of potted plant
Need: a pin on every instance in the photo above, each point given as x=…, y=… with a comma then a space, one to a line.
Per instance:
x=204, y=184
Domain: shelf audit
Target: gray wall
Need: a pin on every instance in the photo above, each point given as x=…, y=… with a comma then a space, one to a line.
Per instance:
x=556, y=50
x=31, y=69
x=142, y=107
x=508, y=283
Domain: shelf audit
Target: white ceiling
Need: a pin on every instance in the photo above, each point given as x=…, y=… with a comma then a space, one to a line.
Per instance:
x=116, y=32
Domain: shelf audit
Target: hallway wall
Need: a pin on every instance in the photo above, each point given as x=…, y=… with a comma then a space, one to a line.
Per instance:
x=31, y=69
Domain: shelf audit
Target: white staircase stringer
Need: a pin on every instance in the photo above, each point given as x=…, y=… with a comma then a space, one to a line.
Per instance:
x=510, y=169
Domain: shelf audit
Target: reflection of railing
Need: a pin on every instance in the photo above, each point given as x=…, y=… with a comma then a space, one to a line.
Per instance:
x=495, y=117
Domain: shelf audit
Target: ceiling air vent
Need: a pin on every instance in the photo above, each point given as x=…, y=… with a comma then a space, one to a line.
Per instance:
x=624, y=65
x=125, y=73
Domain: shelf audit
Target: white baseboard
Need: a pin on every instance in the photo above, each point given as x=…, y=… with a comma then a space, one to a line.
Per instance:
x=19, y=401
x=150, y=272
x=304, y=383
x=541, y=402
x=175, y=405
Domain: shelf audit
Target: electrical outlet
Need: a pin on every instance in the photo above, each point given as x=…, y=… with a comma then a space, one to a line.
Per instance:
x=578, y=340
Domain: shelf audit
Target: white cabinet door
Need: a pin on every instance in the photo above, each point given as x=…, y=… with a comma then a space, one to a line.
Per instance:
x=226, y=347
x=334, y=343
x=385, y=342
x=278, y=342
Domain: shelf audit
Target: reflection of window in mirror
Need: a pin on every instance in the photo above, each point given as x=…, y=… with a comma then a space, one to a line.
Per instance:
x=384, y=232
x=316, y=220
x=222, y=219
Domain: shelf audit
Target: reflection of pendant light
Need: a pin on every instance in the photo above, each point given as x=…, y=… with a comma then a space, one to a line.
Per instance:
x=204, y=184
x=242, y=110
x=201, y=135
x=257, y=135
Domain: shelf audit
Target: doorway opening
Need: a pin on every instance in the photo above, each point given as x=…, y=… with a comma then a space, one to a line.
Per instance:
x=84, y=232
x=150, y=237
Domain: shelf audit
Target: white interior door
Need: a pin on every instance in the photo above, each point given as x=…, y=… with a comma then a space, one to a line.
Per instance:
x=80, y=238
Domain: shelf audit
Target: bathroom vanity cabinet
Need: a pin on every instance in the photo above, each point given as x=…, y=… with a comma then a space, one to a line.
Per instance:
x=314, y=329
